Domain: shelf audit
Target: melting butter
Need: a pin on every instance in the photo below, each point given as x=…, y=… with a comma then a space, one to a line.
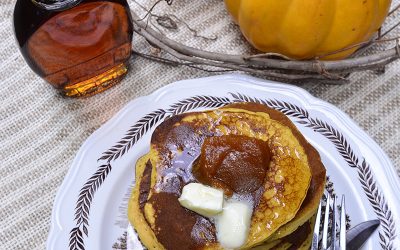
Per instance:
x=202, y=199
x=233, y=224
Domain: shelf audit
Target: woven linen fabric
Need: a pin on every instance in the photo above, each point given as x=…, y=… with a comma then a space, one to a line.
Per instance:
x=41, y=131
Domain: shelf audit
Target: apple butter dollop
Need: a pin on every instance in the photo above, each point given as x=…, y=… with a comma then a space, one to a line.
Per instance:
x=234, y=163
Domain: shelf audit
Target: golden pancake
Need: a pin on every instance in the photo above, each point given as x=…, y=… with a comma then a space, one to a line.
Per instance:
x=154, y=209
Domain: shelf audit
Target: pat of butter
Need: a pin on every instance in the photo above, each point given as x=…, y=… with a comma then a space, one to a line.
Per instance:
x=204, y=200
x=233, y=224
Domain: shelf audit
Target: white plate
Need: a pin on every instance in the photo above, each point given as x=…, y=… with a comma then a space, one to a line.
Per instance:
x=90, y=207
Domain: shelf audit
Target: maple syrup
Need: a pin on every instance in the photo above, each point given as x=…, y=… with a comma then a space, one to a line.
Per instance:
x=80, y=47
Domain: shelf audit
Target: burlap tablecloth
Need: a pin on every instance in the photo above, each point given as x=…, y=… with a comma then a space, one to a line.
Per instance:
x=40, y=131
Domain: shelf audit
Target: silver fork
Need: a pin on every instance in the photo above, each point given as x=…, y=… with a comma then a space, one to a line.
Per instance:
x=325, y=224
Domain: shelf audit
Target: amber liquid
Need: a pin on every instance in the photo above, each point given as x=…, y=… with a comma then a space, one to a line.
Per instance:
x=82, y=50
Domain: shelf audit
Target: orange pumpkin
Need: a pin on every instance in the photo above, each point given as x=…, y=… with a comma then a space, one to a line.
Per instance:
x=305, y=29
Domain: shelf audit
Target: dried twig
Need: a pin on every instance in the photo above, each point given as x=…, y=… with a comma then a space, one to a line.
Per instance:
x=270, y=65
x=166, y=20
x=222, y=64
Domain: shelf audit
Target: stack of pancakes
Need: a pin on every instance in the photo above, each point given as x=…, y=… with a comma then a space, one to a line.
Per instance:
x=283, y=211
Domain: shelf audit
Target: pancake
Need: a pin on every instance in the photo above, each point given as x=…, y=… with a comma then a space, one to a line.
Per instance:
x=295, y=174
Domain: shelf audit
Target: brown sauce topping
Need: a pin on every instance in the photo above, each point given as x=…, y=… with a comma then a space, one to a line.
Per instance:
x=234, y=163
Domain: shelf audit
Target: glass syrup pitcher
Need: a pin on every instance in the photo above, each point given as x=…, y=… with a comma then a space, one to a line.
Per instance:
x=81, y=47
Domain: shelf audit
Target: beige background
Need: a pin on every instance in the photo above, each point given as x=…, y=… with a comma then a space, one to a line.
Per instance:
x=40, y=131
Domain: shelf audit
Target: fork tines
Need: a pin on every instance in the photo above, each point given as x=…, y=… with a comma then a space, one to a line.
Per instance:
x=330, y=222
